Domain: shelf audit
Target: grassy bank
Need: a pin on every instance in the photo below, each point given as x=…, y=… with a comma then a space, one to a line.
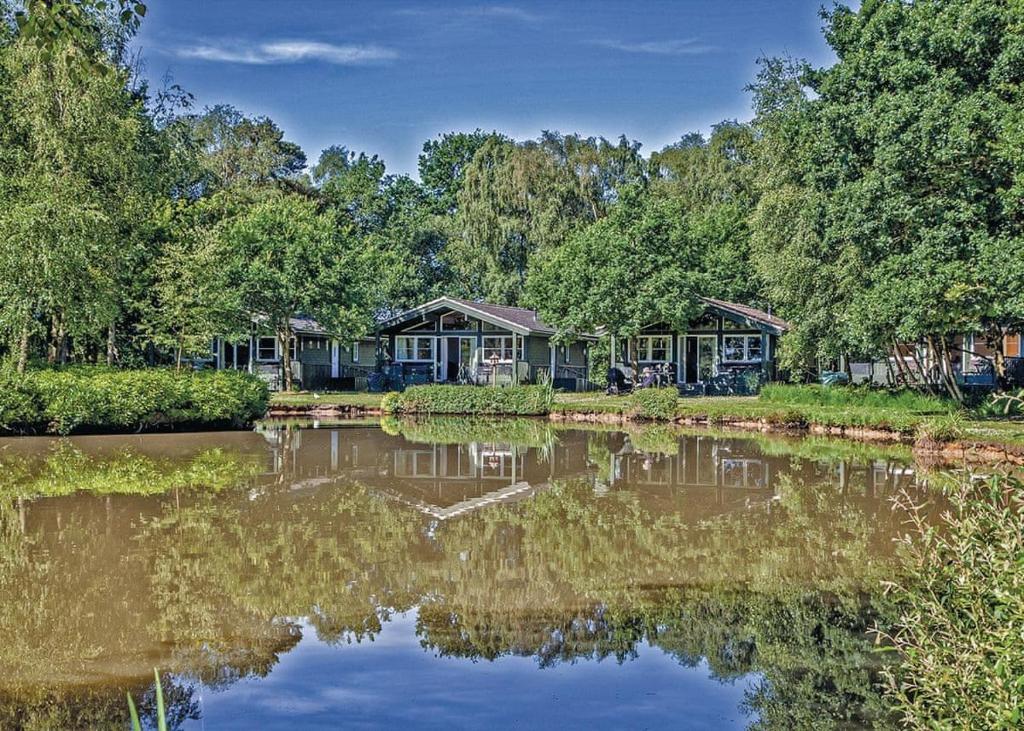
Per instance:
x=93, y=399
x=906, y=415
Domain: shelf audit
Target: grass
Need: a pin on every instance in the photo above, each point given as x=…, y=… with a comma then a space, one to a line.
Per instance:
x=906, y=414
x=307, y=398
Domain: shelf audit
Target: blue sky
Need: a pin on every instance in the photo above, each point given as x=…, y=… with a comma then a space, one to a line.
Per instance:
x=383, y=77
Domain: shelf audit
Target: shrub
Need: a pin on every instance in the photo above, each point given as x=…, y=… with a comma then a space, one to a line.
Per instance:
x=946, y=428
x=515, y=400
x=19, y=403
x=71, y=399
x=654, y=403
x=962, y=611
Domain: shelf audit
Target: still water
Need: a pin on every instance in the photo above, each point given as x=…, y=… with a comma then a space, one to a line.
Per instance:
x=445, y=574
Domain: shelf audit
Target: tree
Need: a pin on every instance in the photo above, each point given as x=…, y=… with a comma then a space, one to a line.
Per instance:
x=893, y=166
x=289, y=260
x=443, y=163
x=77, y=187
x=237, y=150
x=634, y=268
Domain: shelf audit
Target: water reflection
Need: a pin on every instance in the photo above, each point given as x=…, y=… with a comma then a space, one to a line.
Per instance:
x=740, y=561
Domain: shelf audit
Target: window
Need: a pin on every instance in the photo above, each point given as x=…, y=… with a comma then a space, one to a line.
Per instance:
x=653, y=347
x=266, y=349
x=502, y=347
x=742, y=348
x=312, y=343
x=355, y=352
x=414, y=348
x=457, y=321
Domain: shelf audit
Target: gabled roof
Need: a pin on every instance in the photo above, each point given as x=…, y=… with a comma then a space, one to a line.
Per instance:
x=750, y=313
x=517, y=319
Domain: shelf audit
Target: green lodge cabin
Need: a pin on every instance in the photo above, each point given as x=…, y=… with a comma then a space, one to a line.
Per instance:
x=450, y=340
x=320, y=362
x=729, y=349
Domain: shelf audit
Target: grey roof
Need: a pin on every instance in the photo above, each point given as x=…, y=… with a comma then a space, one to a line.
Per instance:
x=518, y=319
x=750, y=313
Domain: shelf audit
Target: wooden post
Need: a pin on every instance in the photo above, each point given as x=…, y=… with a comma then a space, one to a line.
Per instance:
x=515, y=361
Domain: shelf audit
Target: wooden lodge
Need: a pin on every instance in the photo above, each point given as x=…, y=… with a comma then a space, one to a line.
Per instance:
x=729, y=349
x=450, y=340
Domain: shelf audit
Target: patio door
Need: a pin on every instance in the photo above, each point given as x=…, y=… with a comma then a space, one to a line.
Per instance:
x=457, y=351
x=699, y=358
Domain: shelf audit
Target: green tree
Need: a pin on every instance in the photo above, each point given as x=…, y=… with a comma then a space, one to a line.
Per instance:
x=886, y=180
x=286, y=259
x=637, y=267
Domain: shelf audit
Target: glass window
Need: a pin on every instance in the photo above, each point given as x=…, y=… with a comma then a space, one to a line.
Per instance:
x=653, y=347
x=355, y=352
x=413, y=348
x=502, y=347
x=265, y=349
x=457, y=321
x=742, y=348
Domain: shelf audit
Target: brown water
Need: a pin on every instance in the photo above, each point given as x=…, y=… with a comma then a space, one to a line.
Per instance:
x=444, y=574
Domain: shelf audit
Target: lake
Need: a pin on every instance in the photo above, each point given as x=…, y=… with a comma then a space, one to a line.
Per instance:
x=446, y=574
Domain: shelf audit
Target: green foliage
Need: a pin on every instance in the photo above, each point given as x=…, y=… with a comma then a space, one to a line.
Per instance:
x=512, y=400
x=66, y=400
x=604, y=276
x=962, y=611
x=885, y=212
x=654, y=403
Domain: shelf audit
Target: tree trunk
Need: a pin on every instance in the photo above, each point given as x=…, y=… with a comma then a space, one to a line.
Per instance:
x=925, y=378
x=950, y=375
x=111, y=345
x=284, y=337
x=177, y=353
x=23, y=346
x=634, y=360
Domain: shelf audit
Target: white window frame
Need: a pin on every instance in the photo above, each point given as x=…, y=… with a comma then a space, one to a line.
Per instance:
x=355, y=352
x=260, y=349
x=645, y=346
x=505, y=348
x=414, y=350
x=746, y=349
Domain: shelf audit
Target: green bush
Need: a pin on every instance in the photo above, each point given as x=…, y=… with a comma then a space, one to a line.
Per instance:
x=93, y=398
x=515, y=400
x=19, y=404
x=959, y=634
x=654, y=403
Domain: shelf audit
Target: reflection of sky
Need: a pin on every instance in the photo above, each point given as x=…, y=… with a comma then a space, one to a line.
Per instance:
x=392, y=682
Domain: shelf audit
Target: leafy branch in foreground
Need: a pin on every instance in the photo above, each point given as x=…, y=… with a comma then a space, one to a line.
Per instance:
x=960, y=634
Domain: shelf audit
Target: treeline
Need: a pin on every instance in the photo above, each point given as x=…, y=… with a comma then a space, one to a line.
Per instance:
x=871, y=203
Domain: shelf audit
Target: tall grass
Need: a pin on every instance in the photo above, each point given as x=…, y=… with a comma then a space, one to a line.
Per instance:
x=839, y=397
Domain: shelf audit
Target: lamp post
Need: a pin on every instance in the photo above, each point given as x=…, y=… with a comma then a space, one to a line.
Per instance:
x=494, y=359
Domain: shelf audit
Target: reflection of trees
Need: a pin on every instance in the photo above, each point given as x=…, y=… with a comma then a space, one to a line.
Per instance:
x=207, y=584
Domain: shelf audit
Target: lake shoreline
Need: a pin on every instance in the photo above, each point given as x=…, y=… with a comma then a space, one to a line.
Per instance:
x=951, y=452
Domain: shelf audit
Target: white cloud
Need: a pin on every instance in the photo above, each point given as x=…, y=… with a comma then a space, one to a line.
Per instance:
x=677, y=47
x=292, y=51
x=501, y=12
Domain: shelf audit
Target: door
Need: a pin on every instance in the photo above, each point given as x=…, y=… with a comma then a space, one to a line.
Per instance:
x=699, y=357
x=452, y=359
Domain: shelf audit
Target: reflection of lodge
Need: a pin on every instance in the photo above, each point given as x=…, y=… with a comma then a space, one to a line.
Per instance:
x=440, y=480
x=701, y=462
x=705, y=475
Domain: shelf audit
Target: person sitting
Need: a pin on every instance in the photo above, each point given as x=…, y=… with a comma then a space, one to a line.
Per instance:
x=650, y=378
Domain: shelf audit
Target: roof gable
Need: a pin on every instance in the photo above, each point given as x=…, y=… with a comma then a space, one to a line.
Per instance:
x=516, y=319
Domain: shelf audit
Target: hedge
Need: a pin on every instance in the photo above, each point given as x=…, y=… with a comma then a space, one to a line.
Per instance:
x=514, y=400
x=63, y=401
x=654, y=403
